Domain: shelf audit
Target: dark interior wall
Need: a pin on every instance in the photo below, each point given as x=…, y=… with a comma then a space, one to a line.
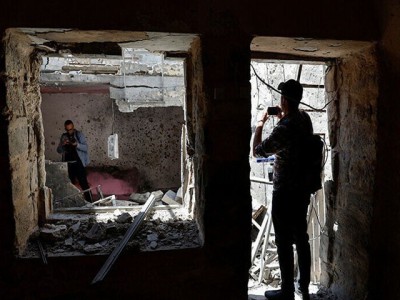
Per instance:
x=226, y=29
x=331, y=19
x=149, y=139
x=386, y=217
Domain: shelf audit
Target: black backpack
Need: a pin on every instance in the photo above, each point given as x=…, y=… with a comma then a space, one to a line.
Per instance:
x=312, y=158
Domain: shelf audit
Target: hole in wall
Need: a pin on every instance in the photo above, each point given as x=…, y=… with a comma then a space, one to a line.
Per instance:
x=141, y=95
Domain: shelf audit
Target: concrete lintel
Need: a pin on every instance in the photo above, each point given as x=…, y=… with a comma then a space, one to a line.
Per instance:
x=307, y=47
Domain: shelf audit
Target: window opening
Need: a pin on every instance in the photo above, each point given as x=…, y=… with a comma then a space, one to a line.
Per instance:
x=148, y=104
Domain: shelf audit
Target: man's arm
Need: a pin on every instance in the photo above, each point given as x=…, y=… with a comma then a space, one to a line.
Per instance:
x=258, y=133
x=81, y=142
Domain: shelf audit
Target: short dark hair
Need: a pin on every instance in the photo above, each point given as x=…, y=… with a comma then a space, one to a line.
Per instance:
x=68, y=122
x=291, y=90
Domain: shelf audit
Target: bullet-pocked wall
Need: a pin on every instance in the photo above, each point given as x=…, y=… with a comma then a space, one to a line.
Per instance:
x=149, y=138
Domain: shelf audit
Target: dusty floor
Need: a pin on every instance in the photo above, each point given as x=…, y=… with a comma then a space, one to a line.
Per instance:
x=256, y=292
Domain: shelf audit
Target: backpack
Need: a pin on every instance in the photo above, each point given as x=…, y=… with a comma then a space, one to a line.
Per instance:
x=313, y=162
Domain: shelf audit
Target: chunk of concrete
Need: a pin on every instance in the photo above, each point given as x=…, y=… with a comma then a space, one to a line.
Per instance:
x=153, y=245
x=124, y=218
x=139, y=198
x=75, y=227
x=179, y=197
x=90, y=249
x=142, y=198
x=152, y=237
x=96, y=233
x=68, y=241
x=169, y=198
x=158, y=195
x=51, y=232
x=125, y=203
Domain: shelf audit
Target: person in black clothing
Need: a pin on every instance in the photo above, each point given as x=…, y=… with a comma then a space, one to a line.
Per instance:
x=290, y=198
x=74, y=149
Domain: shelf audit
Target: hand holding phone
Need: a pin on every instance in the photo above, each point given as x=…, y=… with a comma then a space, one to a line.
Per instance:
x=273, y=111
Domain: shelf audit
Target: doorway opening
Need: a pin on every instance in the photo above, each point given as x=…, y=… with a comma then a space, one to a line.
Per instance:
x=350, y=96
x=264, y=74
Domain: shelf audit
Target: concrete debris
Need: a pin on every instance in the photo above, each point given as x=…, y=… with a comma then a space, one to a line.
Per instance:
x=96, y=233
x=124, y=218
x=76, y=226
x=117, y=212
x=179, y=197
x=152, y=237
x=81, y=243
x=158, y=195
x=68, y=241
x=125, y=203
x=153, y=245
x=100, y=234
x=139, y=198
x=51, y=232
x=90, y=249
x=111, y=228
x=169, y=198
x=132, y=246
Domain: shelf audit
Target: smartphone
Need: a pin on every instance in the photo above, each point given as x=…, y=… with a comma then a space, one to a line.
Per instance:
x=272, y=111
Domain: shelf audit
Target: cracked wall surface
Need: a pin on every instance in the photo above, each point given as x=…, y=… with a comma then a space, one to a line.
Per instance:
x=353, y=135
x=25, y=132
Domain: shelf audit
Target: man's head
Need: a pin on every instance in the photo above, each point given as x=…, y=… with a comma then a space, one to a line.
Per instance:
x=69, y=126
x=292, y=92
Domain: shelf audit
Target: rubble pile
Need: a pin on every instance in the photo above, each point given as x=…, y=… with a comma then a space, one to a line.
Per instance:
x=98, y=234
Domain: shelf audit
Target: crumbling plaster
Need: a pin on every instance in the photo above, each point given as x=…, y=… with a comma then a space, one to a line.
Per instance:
x=25, y=130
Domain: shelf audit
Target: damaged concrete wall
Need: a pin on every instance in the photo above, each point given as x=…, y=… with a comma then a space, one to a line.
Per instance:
x=353, y=82
x=223, y=177
x=25, y=133
x=202, y=274
x=149, y=137
x=195, y=116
